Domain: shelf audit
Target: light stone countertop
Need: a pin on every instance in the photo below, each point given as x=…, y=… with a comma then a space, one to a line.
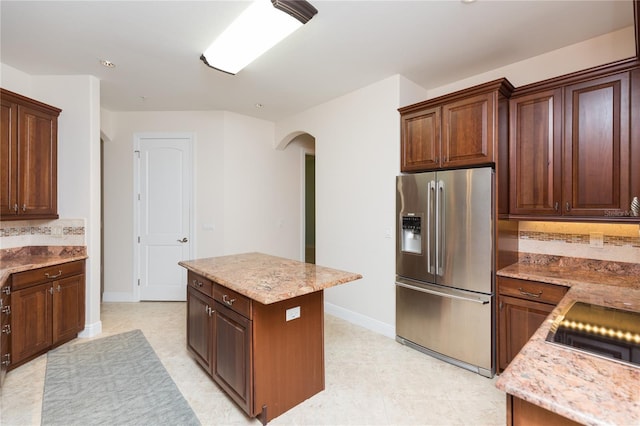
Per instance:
x=582, y=387
x=268, y=279
x=34, y=257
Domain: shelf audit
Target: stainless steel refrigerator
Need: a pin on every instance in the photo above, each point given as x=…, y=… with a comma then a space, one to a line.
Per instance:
x=445, y=266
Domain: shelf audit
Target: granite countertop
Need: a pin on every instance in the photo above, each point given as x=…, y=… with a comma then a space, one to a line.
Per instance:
x=26, y=258
x=268, y=279
x=579, y=386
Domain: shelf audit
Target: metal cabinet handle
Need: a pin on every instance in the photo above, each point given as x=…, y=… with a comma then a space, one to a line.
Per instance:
x=6, y=310
x=6, y=290
x=50, y=290
x=59, y=288
x=15, y=208
x=197, y=283
x=526, y=293
x=24, y=207
x=47, y=275
x=228, y=301
x=208, y=310
x=7, y=359
x=556, y=206
x=567, y=207
x=6, y=329
x=184, y=240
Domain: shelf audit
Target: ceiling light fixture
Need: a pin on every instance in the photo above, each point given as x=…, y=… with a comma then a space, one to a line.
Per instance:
x=107, y=63
x=256, y=30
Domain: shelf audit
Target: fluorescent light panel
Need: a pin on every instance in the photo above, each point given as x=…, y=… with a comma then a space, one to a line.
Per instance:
x=256, y=30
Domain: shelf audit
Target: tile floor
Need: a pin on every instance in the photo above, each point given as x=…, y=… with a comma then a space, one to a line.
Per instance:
x=370, y=379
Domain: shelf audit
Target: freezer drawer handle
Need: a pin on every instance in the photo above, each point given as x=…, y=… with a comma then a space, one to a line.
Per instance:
x=437, y=293
x=529, y=294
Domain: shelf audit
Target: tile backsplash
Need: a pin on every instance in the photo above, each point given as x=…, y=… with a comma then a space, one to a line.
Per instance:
x=60, y=232
x=611, y=242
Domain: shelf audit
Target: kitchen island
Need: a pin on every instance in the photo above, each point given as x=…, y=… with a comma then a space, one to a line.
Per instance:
x=255, y=323
x=559, y=384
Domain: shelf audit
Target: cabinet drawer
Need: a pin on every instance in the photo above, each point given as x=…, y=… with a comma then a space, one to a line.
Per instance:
x=200, y=283
x=239, y=303
x=50, y=273
x=531, y=290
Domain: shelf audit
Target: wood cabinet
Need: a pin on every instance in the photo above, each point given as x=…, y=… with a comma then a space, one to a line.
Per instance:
x=522, y=307
x=265, y=362
x=5, y=329
x=457, y=130
x=523, y=413
x=571, y=149
x=28, y=158
x=47, y=309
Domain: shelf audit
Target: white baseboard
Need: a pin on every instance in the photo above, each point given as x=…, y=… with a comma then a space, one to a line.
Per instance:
x=117, y=297
x=91, y=330
x=361, y=320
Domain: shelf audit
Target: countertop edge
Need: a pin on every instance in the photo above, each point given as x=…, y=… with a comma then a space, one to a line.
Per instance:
x=269, y=298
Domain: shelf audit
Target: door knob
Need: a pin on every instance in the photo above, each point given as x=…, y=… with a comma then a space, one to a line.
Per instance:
x=184, y=240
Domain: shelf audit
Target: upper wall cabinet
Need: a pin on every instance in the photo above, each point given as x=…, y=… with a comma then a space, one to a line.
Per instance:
x=457, y=130
x=28, y=157
x=573, y=146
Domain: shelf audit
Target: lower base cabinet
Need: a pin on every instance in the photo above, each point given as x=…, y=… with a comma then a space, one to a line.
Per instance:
x=264, y=362
x=47, y=309
x=522, y=308
x=523, y=413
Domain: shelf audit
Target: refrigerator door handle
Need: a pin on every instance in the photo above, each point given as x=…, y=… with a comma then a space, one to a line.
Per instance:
x=440, y=227
x=431, y=189
x=441, y=294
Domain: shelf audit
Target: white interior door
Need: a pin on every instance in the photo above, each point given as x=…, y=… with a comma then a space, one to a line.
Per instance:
x=163, y=201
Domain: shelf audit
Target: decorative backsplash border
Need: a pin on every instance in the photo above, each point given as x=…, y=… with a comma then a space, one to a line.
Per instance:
x=59, y=232
x=40, y=230
x=611, y=240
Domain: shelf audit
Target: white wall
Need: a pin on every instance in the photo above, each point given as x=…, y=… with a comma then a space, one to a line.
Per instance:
x=357, y=158
x=246, y=194
x=78, y=161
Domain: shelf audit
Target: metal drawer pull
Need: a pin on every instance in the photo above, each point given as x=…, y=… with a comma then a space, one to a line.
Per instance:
x=228, y=301
x=197, y=283
x=208, y=310
x=6, y=290
x=46, y=274
x=6, y=310
x=7, y=359
x=6, y=329
x=526, y=293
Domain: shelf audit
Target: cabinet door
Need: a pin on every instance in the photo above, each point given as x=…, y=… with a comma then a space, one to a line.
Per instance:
x=5, y=331
x=200, y=327
x=233, y=354
x=420, y=146
x=596, y=147
x=8, y=157
x=68, y=308
x=468, y=131
x=37, y=192
x=535, y=145
x=31, y=329
x=518, y=320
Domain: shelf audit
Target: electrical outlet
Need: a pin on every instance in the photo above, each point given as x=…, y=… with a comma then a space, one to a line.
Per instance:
x=596, y=239
x=293, y=313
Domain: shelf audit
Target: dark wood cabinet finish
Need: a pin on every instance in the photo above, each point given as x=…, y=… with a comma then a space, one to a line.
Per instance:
x=456, y=130
x=5, y=329
x=573, y=145
x=523, y=413
x=232, y=366
x=596, y=147
x=47, y=309
x=522, y=307
x=28, y=147
x=265, y=363
x=200, y=327
x=536, y=152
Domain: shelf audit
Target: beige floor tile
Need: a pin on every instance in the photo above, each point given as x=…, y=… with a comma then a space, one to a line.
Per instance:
x=370, y=379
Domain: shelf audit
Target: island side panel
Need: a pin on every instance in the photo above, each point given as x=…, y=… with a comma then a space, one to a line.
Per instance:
x=288, y=355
